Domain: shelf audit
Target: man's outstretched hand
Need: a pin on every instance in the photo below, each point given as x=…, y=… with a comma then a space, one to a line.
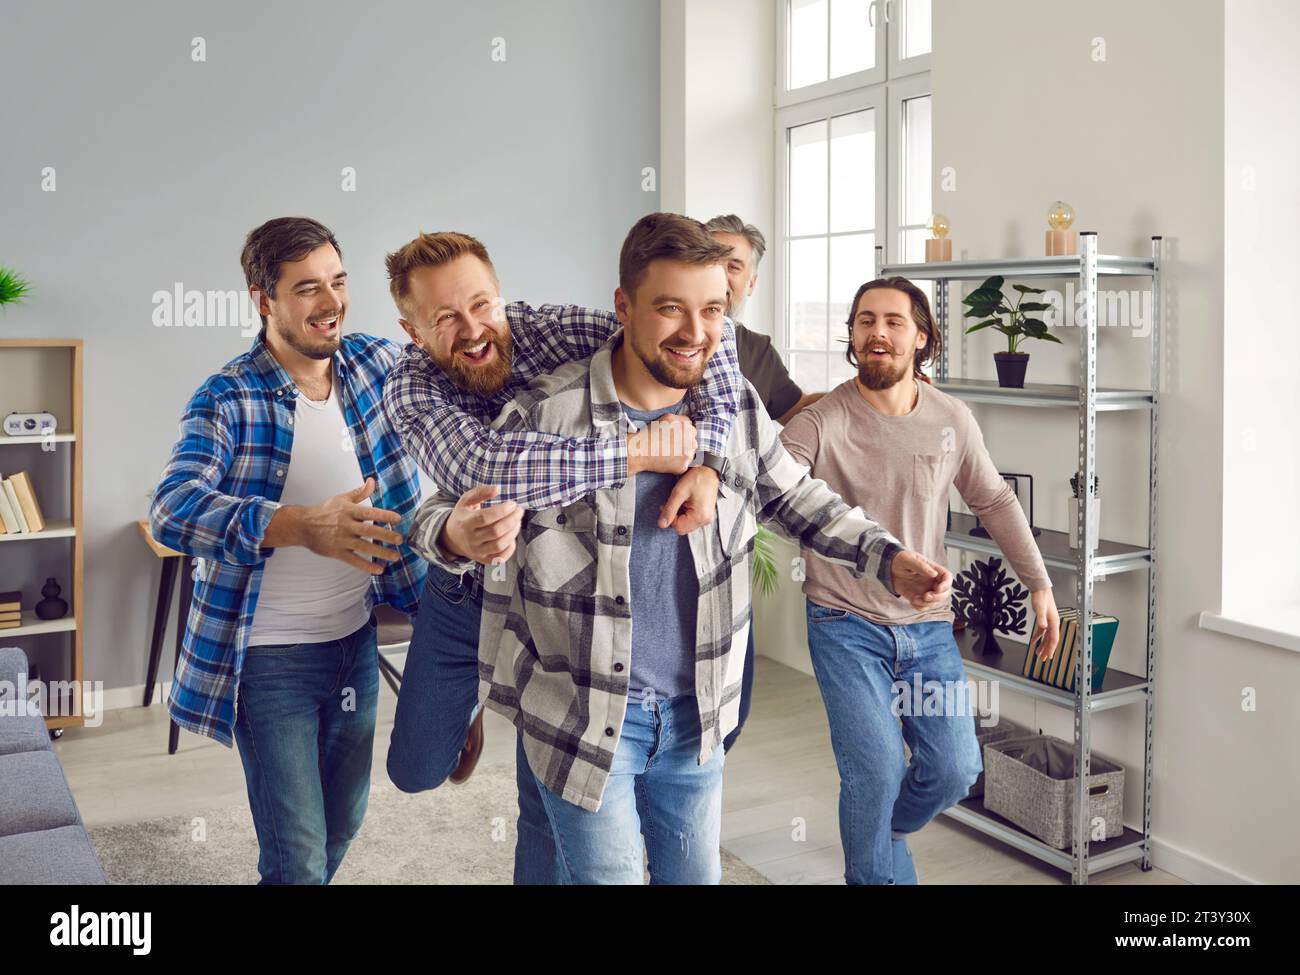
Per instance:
x=918, y=580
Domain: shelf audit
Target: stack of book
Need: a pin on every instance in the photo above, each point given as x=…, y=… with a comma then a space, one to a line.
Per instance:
x=19, y=511
x=1059, y=671
x=11, y=610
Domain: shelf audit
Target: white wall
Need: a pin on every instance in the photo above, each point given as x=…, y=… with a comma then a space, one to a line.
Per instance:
x=1135, y=143
x=717, y=92
x=1261, y=349
x=716, y=96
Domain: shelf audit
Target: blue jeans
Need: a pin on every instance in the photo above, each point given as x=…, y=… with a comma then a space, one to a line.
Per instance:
x=305, y=727
x=437, y=704
x=882, y=798
x=656, y=790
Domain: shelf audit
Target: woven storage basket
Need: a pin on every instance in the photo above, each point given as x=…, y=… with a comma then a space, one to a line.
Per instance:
x=1005, y=728
x=1030, y=782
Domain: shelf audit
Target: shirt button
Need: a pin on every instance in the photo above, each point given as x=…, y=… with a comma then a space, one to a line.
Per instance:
x=622, y=529
x=619, y=600
x=561, y=519
x=618, y=668
x=290, y=421
x=279, y=473
x=609, y=732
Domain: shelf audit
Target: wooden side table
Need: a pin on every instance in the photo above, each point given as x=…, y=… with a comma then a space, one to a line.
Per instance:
x=172, y=564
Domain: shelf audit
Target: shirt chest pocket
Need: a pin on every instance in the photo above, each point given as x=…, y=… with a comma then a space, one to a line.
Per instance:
x=560, y=548
x=927, y=475
x=735, y=516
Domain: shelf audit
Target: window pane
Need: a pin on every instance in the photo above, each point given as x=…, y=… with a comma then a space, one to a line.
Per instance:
x=851, y=259
x=912, y=245
x=808, y=179
x=916, y=161
x=808, y=294
x=853, y=172
x=808, y=39
x=809, y=371
x=853, y=39
x=914, y=28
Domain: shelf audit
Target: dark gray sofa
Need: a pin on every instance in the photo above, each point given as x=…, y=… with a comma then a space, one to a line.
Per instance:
x=42, y=837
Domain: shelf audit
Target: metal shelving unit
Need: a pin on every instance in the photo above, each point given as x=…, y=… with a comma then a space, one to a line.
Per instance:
x=1118, y=689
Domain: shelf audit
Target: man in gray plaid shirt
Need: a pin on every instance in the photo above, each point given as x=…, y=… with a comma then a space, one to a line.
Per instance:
x=595, y=605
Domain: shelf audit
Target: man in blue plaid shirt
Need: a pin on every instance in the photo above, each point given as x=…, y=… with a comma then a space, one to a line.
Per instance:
x=284, y=485
x=470, y=355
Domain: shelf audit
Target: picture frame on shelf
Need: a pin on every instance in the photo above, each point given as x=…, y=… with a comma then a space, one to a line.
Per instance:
x=1014, y=481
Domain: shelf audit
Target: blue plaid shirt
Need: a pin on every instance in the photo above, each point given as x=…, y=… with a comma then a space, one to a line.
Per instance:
x=223, y=484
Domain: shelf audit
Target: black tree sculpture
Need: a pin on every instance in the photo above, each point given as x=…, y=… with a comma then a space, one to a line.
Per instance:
x=987, y=600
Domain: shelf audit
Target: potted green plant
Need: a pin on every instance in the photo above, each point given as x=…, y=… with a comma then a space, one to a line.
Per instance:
x=13, y=288
x=987, y=302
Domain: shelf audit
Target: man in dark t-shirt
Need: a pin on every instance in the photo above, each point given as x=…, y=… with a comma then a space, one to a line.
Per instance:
x=759, y=361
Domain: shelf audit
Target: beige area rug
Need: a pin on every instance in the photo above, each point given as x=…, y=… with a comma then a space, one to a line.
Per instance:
x=452, y=835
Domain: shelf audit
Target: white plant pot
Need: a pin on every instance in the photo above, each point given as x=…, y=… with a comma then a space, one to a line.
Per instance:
x=1094, y=522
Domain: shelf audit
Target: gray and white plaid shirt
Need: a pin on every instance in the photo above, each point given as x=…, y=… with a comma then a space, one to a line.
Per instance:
x=555, y=643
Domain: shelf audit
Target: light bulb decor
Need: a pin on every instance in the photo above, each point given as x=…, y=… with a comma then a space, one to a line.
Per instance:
x=938, y=247
x=1061, y=240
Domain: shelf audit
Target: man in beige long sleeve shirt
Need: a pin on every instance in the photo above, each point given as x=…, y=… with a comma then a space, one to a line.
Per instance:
x=894, y=446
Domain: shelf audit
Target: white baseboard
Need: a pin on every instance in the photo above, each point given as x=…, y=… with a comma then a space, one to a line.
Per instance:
x=131, y=697
x=1188, y=866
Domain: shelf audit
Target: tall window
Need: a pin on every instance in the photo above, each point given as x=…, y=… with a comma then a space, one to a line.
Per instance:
x=853, y=164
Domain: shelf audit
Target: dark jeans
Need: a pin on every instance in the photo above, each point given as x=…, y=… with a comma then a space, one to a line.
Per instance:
x=746, y=690
x=437, y=703
x=305, y=727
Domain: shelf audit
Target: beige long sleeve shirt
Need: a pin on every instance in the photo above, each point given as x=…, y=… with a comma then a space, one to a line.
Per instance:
x=899, y=469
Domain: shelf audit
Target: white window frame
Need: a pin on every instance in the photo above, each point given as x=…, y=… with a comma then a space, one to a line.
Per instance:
x=900, y=67
x=832, y=86
x=879, y=88
x=801, y=114
x=898, y=92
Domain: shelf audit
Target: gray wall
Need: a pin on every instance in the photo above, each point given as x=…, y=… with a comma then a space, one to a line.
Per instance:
x=164, y=164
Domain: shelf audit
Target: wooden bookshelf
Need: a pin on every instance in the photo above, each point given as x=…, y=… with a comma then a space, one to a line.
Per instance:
x=46, y=375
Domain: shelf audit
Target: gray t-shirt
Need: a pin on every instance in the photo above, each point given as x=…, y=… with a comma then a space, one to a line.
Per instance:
x=665, y=592
x=761, y=364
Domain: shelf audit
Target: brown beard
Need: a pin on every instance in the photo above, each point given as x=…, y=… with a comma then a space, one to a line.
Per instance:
x=884, y=375
x=671, y=374
x=484, y=380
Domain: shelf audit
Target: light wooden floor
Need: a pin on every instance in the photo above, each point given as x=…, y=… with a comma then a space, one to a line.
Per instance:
x=779, y=801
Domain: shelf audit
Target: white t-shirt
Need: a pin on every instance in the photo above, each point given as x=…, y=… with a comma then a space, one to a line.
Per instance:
x=305, y=597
